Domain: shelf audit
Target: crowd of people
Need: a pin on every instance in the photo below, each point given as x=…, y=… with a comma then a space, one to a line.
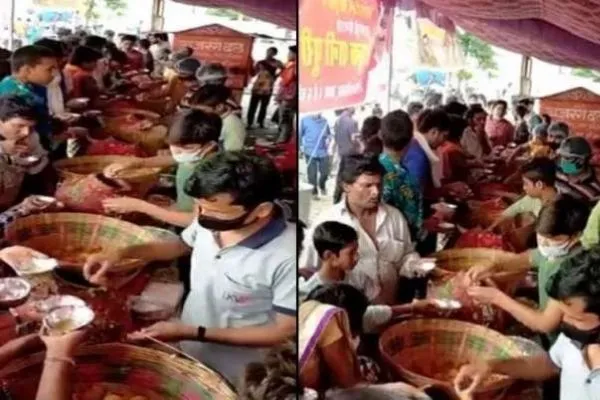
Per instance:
x=227, y=199
x=361, y=259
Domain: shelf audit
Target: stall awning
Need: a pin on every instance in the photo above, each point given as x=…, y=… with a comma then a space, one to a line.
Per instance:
x=279, y=12
x=564, y=32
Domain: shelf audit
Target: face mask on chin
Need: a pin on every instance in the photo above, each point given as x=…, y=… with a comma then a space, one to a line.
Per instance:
x=223, y=225
x=580, y=337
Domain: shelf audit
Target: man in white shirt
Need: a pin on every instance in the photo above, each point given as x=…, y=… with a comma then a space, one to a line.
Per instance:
x=384, y=244
x=243, y=266
x=160, y=42
x=575, y=355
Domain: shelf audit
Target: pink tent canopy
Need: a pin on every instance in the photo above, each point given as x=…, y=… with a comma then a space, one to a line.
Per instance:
x=280, y=12
x=565, y=32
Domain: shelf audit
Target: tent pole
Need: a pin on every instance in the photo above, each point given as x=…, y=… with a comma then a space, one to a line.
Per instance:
x=391, y=71
x=11, y=26
x=525, y=80
x=158, y=15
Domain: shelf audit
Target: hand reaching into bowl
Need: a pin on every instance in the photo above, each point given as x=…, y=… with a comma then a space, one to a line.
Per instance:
x=113, y=170
x=479, y=273
x=123, y=205
x=470, y=377
x=485, y=294
x=166, y=331
x=98, y=265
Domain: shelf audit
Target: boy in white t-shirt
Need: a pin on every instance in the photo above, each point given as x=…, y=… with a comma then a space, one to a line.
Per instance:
x=337, y=246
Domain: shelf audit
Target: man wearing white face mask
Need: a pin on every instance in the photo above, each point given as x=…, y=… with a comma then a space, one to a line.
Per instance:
x=192, y=137
x=559, y=227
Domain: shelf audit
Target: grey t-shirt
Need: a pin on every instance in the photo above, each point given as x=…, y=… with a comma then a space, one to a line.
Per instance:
x=345, y=127
x=239, y=286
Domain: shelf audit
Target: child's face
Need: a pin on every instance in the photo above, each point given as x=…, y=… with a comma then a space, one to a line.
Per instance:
x=531, y=188
x=43, y=72
x=347, y=258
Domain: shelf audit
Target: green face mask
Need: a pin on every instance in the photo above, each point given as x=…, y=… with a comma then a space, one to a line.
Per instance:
x=569, y=167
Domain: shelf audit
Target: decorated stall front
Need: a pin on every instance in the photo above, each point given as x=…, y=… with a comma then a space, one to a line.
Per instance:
x=580, y=109
x=218, y=44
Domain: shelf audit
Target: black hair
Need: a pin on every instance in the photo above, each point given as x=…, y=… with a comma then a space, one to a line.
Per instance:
x=455, y=108
x=396, y=130
x=559, y=126
x=194, y=127
x=249, y=179
x=501, y=103
x=433, y=100
x=547, y=119
x=344, y=296
x=4, y=69
x=5, y=54
x=30, y=56
x=521, y=110
x=333, y=236
x=211, y=95
x=116, y=55
x=300, y=227
x=83, y=55
x=435, y=118
x=95, y=42
x=129, y=38
x=56, y=46
x=527, y=101
x=273, y=50
x=414, y=108
x=578, y=276
x=294, y=49
x=457, y=128
x=13, y=106
x=473, y=110
x=369, y=134
x=144, y=44
x=566, y=215
x=540, y=170
x=540, y=130
x=357, y=165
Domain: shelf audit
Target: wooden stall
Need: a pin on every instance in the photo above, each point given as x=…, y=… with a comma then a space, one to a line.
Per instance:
x=580, y=109
x=218, y=44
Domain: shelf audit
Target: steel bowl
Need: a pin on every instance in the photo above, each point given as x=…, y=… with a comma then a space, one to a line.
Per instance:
x=59, y=301
x=67, y=319
x=13, y=292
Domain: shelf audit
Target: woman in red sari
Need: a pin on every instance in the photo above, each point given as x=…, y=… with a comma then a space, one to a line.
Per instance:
x=498, y=129
x=79, y=73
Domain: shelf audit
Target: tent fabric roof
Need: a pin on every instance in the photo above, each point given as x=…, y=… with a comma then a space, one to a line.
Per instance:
x=565, y=32
x=280, y=12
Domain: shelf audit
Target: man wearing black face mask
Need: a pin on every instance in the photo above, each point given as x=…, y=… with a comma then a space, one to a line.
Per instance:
x=243, y=266
x=575, y=355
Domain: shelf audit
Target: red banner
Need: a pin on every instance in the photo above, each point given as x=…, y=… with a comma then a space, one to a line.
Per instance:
x=342, y=42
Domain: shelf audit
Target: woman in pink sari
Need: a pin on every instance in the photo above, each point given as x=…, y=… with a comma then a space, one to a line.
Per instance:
x=499, y=131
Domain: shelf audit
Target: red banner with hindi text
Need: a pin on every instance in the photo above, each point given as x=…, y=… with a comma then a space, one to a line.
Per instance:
x=342, y=47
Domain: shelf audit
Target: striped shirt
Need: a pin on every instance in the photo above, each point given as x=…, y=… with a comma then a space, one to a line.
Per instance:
x=585, y=187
